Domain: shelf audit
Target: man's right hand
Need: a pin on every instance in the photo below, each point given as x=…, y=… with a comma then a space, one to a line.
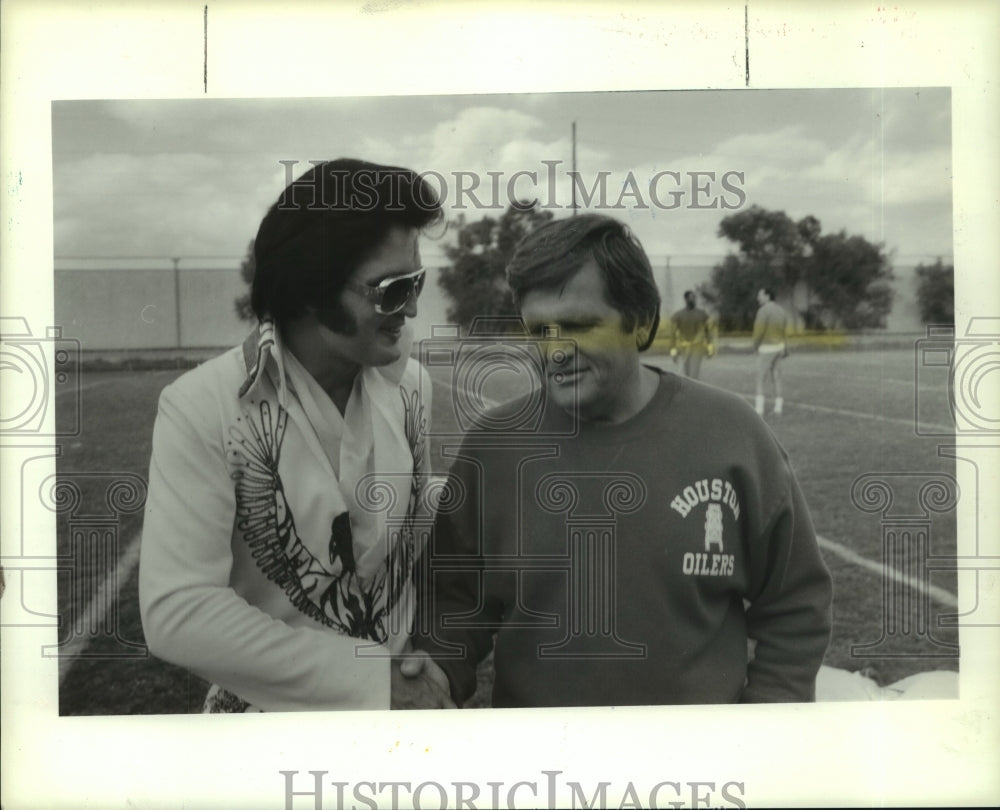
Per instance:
x=419, y=683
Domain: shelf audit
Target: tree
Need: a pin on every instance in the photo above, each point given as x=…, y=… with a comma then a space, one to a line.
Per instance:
x=475, y=281
x=242, y=303
x=773, y=251
x=845, y=279
x=770, y=240
x=850, y=278
x=936, y=293
x=732, y=291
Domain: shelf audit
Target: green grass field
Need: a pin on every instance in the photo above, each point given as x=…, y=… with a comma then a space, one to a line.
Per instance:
x=848, y=413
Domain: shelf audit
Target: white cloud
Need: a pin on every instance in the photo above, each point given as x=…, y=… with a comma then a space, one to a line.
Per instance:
x=214, y=168
x=167, y=204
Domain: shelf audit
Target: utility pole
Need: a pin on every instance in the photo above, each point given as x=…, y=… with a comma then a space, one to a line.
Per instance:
x=668, y=288
x=573, y=175
x=177, y=299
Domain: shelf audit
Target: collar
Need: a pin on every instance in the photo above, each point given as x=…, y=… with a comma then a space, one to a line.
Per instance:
x=260, y=348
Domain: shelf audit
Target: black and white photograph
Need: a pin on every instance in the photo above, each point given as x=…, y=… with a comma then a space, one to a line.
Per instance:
x=752, y=194
x=394, y=417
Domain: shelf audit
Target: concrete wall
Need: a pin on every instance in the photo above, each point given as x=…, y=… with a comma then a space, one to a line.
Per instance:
x=136, y=309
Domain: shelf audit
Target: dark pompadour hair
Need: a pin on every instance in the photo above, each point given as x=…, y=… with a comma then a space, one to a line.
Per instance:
x=552, y=254
x=325, y=224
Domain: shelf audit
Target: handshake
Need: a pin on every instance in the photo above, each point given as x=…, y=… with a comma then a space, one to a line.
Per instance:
x=419, y=683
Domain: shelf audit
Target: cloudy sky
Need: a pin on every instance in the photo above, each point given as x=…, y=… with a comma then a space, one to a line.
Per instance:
x=193, y=178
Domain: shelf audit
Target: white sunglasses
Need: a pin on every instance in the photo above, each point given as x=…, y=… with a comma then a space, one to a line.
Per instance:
x=392, y=294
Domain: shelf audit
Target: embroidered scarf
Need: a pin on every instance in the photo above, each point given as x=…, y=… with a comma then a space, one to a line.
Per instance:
x=356, y=578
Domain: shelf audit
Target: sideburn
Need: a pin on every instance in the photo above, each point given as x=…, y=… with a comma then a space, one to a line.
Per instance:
x=337, y=319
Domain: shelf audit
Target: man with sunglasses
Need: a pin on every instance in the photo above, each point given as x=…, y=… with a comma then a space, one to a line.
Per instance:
x=630, y=546
x=286, y=474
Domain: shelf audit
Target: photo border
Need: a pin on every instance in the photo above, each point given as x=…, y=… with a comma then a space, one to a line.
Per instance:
x=896, y=753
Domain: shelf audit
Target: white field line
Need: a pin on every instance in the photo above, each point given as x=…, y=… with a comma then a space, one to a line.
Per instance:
x=861, y=375
x=96, y=612
x=946, y=598
x=891, y=420
x=853, y=377
x=806, y=406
